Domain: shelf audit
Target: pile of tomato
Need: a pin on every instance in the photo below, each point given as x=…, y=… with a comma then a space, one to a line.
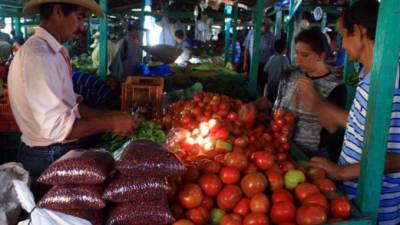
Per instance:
x=240, y=171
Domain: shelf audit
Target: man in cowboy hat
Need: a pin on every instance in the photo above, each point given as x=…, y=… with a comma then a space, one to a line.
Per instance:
x=48, y=112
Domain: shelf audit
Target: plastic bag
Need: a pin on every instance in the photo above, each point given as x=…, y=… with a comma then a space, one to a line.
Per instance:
x=147, y=158
x=79, y=167
x=96, y=217
x=143, y=213
x=9, y=204
x=73, y=197
x=125, y=189
x=40, y=216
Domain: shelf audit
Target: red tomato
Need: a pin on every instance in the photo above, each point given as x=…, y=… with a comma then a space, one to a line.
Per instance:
x=305, y=189
x=255, y=219
x=281, y=195
x=231, y=219
x=229, y=197
x=236, y=160
x=290, y=118
x=326, y=185
x=282, y=212
x=287, y=165
x=341, y=208
x=259, y=203
x=208, y=203
x=199, y=215
x=316, y=173
x=310, y=214
x=222, y=134
x=279, y=113
x=190, y=196
x=241, y=141
x=280, y=121
x=275, y=179
x=251, y=168
x=191, y=175
x=253, y=184
x=232, y=116
x=242, y=208
x=210, y=167
x=210, y=184
x=263, y=160
x=229, y=175
x=220, y=158
x=319, y=199
x=183, y=222
x=281, y=156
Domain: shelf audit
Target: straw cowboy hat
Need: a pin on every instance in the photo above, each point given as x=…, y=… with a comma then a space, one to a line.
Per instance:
x=32, y=6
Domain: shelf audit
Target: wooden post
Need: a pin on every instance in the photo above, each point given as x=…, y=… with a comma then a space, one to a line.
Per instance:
x=103, y=42
x=255, y=58
x=383, y=80
x=234, y=29
x=228, y=20
x=278, y=22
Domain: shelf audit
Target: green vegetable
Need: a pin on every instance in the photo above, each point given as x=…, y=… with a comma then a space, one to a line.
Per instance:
x=144, y=130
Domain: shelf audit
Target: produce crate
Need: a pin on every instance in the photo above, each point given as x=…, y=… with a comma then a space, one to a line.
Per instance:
x=7, y=121
x=139, y=89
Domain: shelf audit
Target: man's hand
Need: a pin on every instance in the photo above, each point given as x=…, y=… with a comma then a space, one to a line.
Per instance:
x=248, y=113
x=245, y=67
x=332, y=169
x=123, y=123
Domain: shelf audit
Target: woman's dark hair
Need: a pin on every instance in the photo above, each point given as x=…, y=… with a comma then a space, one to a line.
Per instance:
x=315, y=39
x=179, y=34
x=280, y=46
x=363, y=13
x=45, y=10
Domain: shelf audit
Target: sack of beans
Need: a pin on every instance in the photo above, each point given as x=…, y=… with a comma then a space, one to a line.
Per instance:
x=147, y=158
x=87, y=197
x=134, y=189
x=95, y=217
x=79, y=167
x=142, y=213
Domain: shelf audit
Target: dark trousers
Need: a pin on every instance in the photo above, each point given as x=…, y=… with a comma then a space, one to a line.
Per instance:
x=36, y=159
x=262, y=77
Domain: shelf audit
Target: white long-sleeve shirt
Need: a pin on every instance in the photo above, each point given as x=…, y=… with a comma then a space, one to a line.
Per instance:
x=41, y=92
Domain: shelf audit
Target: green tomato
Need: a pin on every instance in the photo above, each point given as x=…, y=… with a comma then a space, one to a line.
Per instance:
x=216, y=215
x=293, y=178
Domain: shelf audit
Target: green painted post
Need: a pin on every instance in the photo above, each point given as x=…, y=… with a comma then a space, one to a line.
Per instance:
x=234, y=29
x=228, y=20
x=17, y=25
x=103, y=42
x=278, y=23
x=324, y=21
x=255, y=58
x=290, y=33
x=386, y=55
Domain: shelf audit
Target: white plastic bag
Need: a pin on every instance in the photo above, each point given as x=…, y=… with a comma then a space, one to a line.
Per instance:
x=39, y=216
x=9, y=204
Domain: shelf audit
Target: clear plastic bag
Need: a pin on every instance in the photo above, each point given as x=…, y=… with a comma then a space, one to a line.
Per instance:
x=79, y=167
x=147, y=158
x=142, y=213
x=88, y=197
x=124, y=189
x=40, y=216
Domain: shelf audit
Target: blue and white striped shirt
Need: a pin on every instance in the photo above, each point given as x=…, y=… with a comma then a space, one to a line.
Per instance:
x=353, y=145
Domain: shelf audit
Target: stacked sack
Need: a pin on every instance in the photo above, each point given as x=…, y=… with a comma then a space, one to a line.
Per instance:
x=78, y=183
x=140, y=187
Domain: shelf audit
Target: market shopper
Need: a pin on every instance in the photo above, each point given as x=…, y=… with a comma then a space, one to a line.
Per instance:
x=48, y=112
x=357, y=27
x=311, y=135
x=266, y=49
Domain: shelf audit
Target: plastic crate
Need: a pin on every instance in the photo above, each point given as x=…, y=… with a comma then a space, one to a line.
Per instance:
x=7, y=121
x=142, y=90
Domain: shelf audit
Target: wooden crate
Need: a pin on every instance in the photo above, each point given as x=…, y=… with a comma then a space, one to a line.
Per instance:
x=139, y=89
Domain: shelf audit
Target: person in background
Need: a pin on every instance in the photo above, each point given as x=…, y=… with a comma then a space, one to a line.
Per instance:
x=266, y=49
x=18, y=42
x=357, y=26
x=49, y=114
x=180, y=41
x=238, y=52
x=5, y=50
x=276, y=67
x=312, y=134
x=4, y=36
x=127, y=59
